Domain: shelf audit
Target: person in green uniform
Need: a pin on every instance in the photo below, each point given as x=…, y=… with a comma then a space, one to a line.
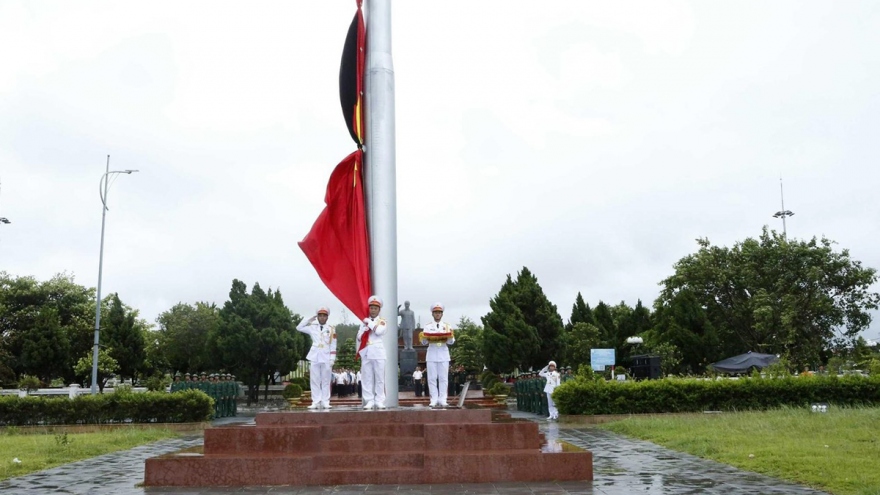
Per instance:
x=235, y=392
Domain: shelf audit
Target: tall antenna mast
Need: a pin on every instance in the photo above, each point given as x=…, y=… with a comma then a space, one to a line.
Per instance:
x=783, y=212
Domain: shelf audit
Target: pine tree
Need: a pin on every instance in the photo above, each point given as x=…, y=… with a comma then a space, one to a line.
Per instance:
x=580, y=313
x=123, y=338
x=45, y=347
x=524, y=329
x=605, y=324
x=256, y=337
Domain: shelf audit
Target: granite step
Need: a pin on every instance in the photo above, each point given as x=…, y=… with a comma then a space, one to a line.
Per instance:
x=373, y=444
x=378, y=476
x=365, y=461
x=388, y=430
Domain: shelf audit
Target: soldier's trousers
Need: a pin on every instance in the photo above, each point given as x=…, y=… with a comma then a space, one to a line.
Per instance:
x=319, y=381
x=373, y=380
x=438, y=381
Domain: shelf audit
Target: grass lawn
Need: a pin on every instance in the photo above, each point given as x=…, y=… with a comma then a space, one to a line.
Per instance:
x=42, y=451
x=838, y=451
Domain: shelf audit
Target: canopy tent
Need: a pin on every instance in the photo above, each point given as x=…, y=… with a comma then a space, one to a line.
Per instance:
x=745, y=362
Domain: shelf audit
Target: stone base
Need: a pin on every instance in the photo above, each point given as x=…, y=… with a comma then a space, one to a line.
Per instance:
x=408, y=360
x=379, y=447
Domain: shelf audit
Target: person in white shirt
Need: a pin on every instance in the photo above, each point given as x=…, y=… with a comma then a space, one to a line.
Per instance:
x=341, y=382
x=321, y=356
x=417, y=381
x=372, y=353
x=552, y=376
x=438, y=335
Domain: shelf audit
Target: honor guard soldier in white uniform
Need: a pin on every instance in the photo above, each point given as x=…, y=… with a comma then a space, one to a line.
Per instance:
x=438, y=335
x=372, y=353
x=321, y=356
x=552, y=376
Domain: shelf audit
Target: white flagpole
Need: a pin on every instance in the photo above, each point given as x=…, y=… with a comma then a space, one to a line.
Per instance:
x=381, y=181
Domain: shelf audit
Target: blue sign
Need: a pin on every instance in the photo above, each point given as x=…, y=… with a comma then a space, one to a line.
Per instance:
x=600, y=358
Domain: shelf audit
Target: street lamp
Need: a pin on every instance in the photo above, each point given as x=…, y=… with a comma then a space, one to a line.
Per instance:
x=105, y=183
x=783, y=212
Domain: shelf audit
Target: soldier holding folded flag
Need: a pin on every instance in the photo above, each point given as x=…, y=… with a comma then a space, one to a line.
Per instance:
x=438, y=335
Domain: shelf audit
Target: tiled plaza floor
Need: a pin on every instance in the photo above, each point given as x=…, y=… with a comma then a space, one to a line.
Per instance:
x=622, y=466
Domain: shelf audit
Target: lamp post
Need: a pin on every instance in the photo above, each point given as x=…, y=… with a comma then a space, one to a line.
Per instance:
x=105, y=183
x=783, y=212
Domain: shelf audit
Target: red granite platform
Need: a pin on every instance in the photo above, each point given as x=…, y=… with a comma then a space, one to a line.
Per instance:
x=377, y=447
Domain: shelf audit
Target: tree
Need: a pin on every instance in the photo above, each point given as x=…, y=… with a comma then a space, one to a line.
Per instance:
x=345, y=331
x=22, y=301
x=467, y=350
x=123, y=338
x=578, y=342
x=185, y=329
x=45, y=349
x=605, y=323
x=683, y=323
x=580, y=313
x=107, y=367
x=508, y=341
x=777, y=295
x=345, y=354
x=256, y=337
x=523, y=328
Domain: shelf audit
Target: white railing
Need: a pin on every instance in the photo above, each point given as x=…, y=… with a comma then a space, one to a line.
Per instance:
x=70, y=391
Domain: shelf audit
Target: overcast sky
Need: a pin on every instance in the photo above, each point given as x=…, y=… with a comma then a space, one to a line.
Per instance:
x=592, y=142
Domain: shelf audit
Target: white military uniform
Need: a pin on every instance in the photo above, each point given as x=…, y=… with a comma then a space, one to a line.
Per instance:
x=437, y=359
x=552, y=378
x=373, y=362
x=321, y=357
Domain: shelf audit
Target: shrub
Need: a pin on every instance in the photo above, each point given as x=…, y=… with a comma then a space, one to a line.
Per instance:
x=585, y=396
x=487, y=379
x=499, y=388
x=157, y=383
x=302, y=382
x=149, y=407
x=292, y=391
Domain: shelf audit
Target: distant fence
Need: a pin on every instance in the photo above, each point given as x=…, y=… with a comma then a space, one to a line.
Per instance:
x=71, y=391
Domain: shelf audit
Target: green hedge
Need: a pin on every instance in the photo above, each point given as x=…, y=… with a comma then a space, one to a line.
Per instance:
x=584, y=396
x=149, y=407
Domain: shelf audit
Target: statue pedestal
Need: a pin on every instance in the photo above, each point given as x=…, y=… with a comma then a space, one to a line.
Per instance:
x=408, y=360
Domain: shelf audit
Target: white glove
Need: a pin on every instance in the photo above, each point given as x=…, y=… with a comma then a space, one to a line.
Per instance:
x=367, y=321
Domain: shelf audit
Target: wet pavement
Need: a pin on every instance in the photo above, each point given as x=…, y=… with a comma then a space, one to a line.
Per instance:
x=622, y=466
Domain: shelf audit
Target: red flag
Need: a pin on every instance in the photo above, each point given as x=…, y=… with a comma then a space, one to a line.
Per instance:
x=338, y=245
x=365, y=338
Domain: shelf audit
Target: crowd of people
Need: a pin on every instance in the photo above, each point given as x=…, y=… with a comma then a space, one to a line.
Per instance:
x=534, y=389
x=346, y=382
x=222, y=387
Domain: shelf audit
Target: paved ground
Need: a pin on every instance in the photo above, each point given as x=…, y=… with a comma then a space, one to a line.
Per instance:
x=622, y=466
